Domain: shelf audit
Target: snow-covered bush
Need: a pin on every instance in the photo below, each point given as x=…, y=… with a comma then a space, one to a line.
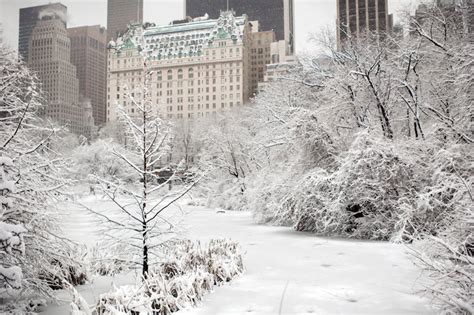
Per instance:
x=109, y=260
x=71, y=269
x=446, y=205
x=444, y=191
x=448, y=259
x=227, y=194
x=378, y=190
x=97, y=159
x=189, y=272
x=360, y=198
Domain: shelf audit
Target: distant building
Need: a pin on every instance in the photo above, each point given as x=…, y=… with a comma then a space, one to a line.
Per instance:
x=276, y=15
x=281, y=64
x=260, y=56
x=120, y=13
x=457, y=13
x=49, y=56
x=30, y=16
x=199, y=67
x=354, y=17
x=279, y=53
x=89, y=55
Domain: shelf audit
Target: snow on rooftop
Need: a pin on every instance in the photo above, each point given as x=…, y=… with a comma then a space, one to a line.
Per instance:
x=186, y=39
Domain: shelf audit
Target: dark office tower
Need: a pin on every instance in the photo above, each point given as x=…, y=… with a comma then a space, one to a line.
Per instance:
x=30, y=16
x=120, y=13
x=88, y=54
x=276, y=15
x=355, y=17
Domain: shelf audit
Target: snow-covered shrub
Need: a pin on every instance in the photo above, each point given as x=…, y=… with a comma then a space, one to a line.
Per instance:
x=70, y=269
x=375, y=181
x=271, y=194
x=448, y=259
x=446, y=206
x=444, y=191
x=188, y=273
x=227, y=194
x=97, y=159
x=108, y=260
x=356, y=195
x=378, y=189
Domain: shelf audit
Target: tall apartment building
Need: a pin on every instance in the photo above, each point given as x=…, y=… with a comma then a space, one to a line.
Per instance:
x=355, y=17
x=49, y=56
x=120, y=13
x=30, y=16
x=276, y=15
x=199, y=68
x=260, y=57
x=89, y=55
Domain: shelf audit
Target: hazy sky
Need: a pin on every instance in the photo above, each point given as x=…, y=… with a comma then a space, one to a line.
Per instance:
x=311, y=16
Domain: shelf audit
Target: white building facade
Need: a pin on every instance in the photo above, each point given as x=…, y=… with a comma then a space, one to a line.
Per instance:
x=198, y=67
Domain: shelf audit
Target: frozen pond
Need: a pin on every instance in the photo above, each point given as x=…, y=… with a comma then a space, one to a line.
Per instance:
x=287, y=272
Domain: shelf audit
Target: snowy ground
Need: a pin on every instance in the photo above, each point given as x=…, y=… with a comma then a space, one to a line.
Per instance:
x=287, y=272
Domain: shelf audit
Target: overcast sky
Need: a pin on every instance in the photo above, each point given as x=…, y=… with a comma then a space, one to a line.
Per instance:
x=311, y=16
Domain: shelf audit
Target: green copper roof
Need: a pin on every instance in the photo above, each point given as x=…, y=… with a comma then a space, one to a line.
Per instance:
x=183, y=40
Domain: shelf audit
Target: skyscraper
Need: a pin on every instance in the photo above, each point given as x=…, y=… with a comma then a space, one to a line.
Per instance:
x=30, y=16
x=276, y=15
x=120, y=13
x=49, y=56
x=355, y=17
x=89, y=55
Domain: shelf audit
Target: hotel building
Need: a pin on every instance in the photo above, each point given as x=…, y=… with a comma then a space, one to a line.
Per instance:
x=200, y=67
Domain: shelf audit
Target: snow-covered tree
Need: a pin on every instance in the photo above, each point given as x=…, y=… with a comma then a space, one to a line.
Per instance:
x=31, y=180
x=139, y=221
x=12, y=245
